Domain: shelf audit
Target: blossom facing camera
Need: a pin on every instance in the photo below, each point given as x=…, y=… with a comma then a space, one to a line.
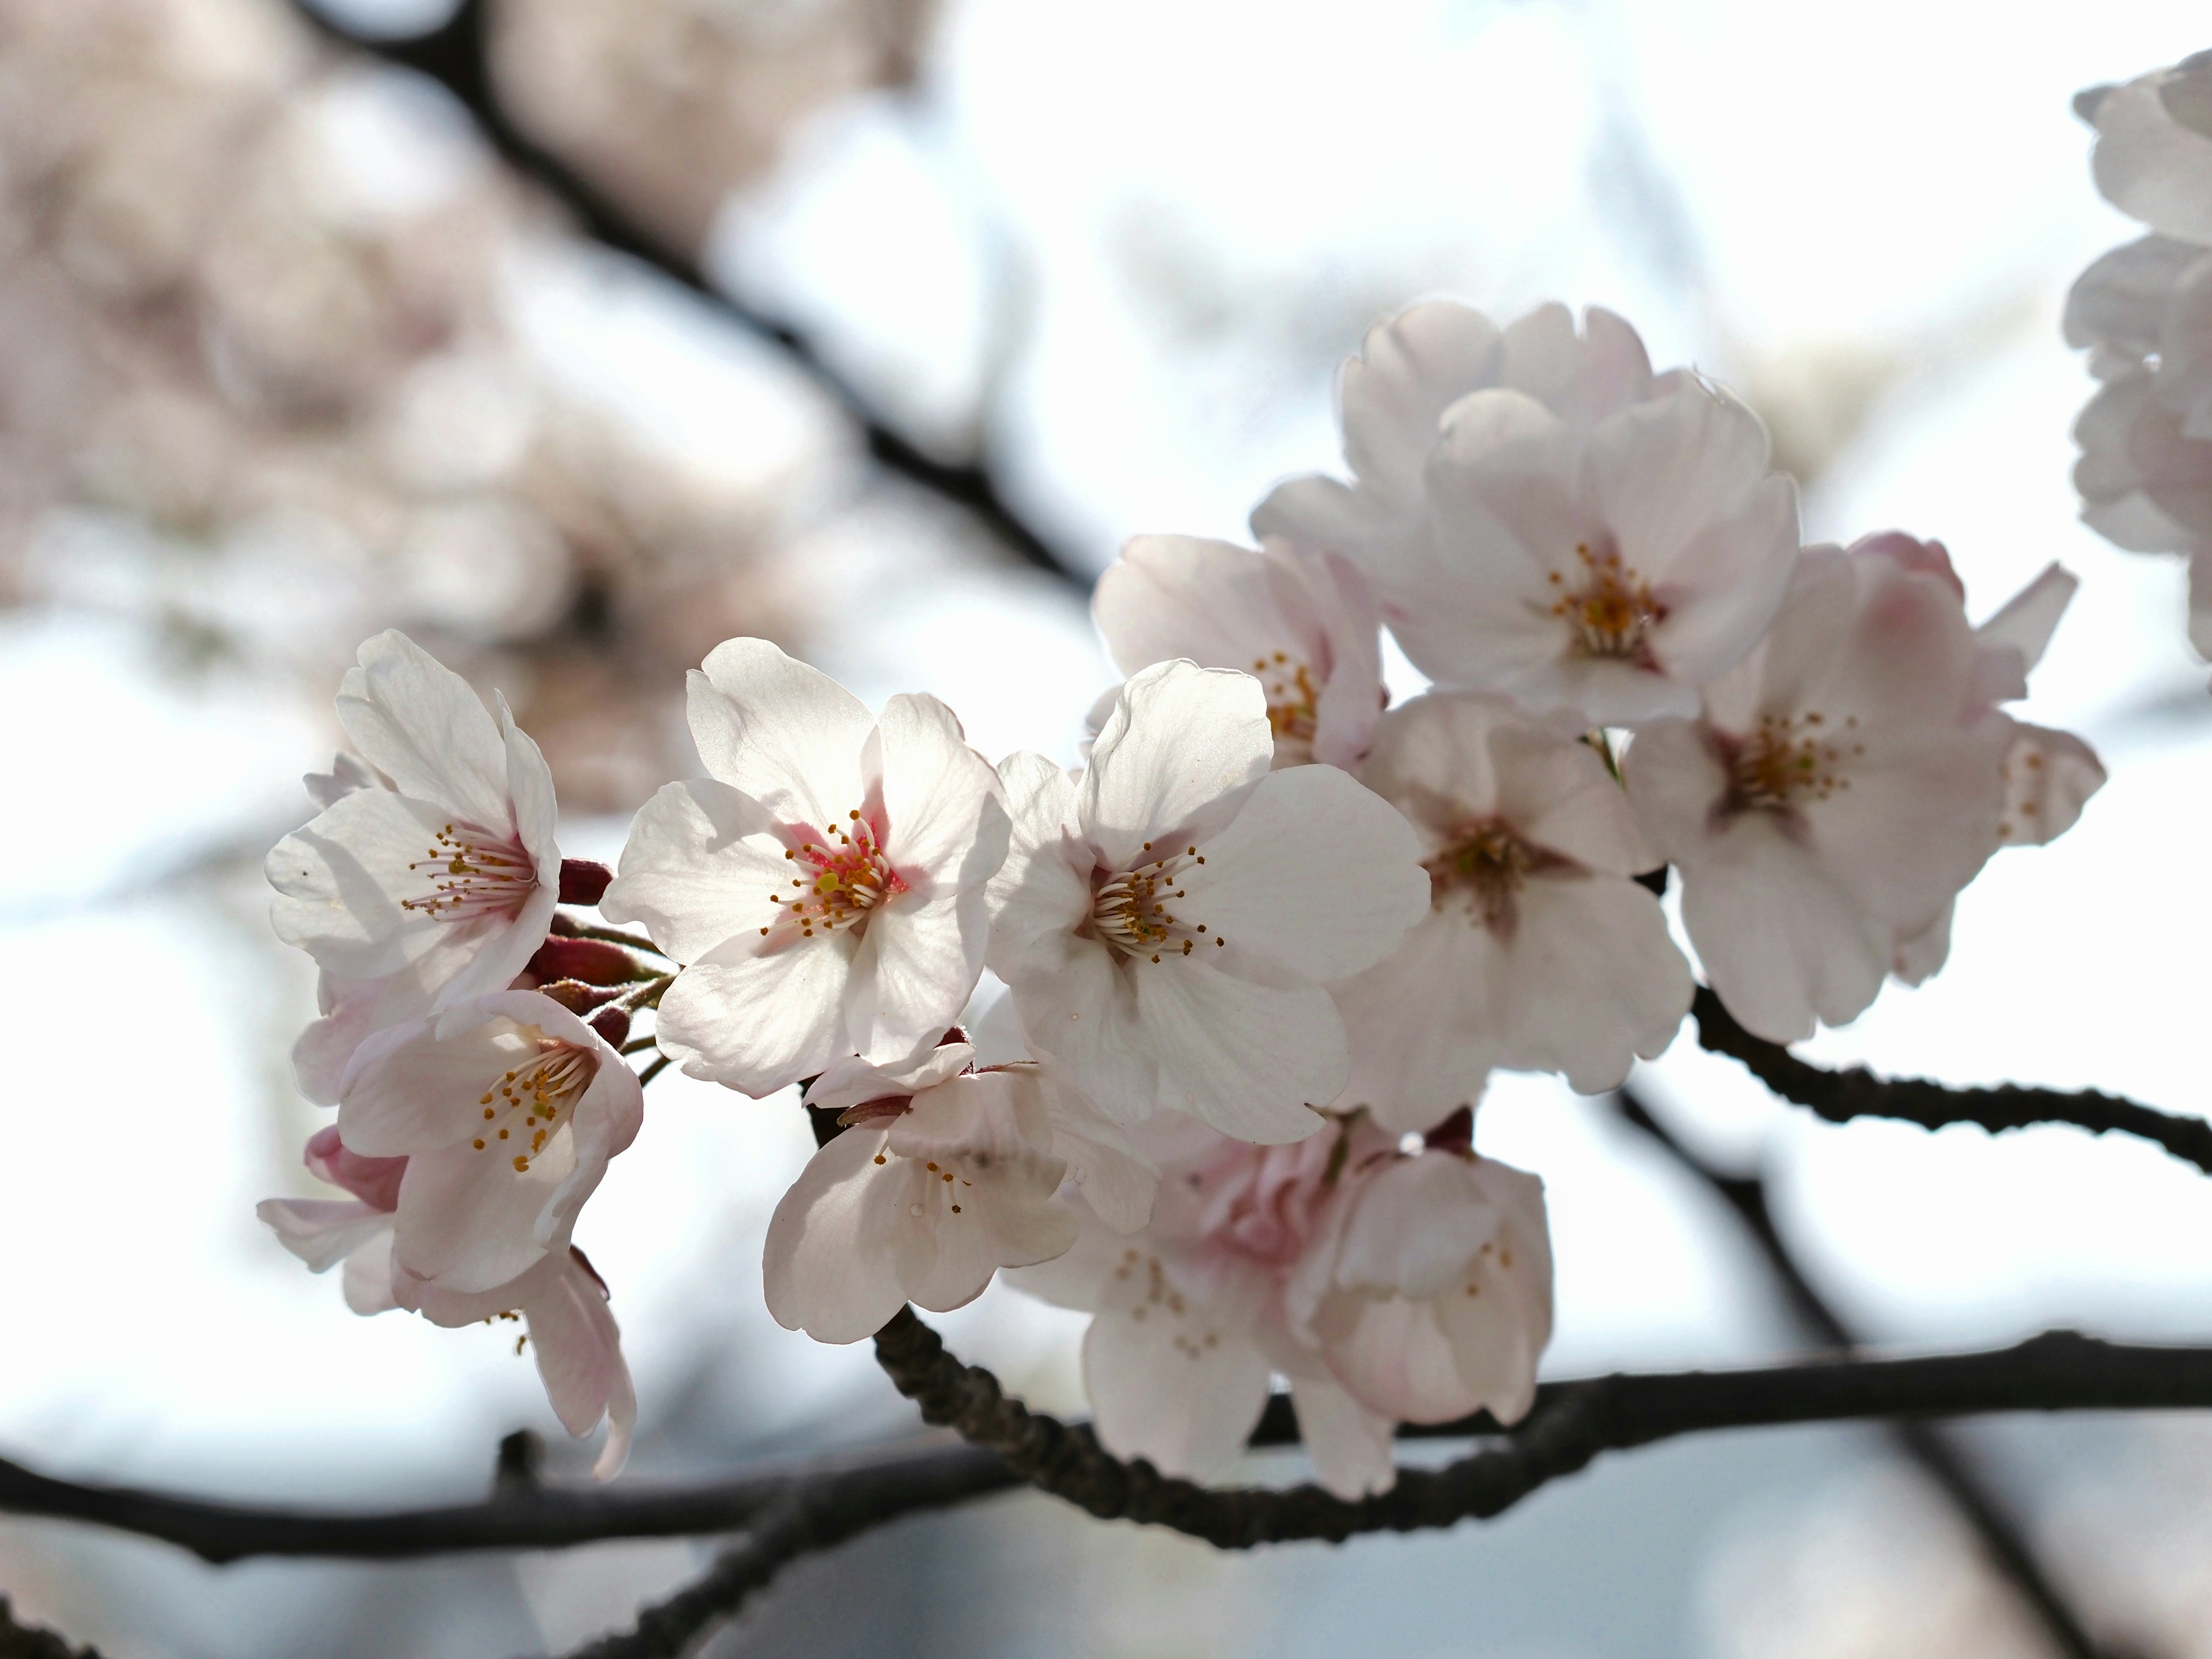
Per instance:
x=824, y=884
x=1167, y=924
x=1539, y=951
x=507, y=1109
x=433, y=889
x=1303, y=623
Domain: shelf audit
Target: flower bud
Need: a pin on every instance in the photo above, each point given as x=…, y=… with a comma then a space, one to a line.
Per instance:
x=583, y=881
x=593, y=961
x=613, y=1025
x=577, y=997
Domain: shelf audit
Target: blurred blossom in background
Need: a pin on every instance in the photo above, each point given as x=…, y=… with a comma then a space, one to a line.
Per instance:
x=289, y=356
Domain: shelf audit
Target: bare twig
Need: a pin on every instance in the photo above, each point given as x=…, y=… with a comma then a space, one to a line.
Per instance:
x=1855, y=1092
x=453, y=55
x=1943, y=1461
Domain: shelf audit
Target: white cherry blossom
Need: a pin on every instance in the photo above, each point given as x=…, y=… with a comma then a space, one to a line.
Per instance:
x=825, y=885
x=507, y=1108
x=2153, y=159
x=1167, y=924
x=561, y=1302
x=1538, y=952
x=435, y=889
x=941, y=1177
x=1846, y=780
x=1387, y=1287
x=1304, y=624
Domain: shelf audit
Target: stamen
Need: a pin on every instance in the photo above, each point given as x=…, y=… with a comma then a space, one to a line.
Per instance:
x=1611, y=613
x=1490, y=865
x=472, y=872
x=838, y=886
x=556, y=1076
x=1789, y=760
x=1129, y=911
x=1293, y=701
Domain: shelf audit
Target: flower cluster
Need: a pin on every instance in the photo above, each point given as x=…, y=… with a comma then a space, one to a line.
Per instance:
x=1261, y=953
x=2143, y=312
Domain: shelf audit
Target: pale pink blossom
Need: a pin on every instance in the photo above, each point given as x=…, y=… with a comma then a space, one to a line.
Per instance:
x=1386, y=1286
x=1539, y=951
x=1301, y=622
x=1847, y=779
x=561, y=1301
x=429, y=884
x=824, y=884
x=941, y=1176
x=2153, y=159
x=507, y=1108
x=1167, y=924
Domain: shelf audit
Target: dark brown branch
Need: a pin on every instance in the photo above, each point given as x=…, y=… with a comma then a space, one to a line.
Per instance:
x=453, y=55
x=1943, y=1462
x=1854, y=1092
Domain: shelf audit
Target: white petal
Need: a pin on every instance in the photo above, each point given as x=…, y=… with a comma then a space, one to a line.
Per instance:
x=469, y=1220
x=1727, y=582
x=701, y=866
x=1589, y=981
x=1183, y=1389
x=1419, y=1045
x=1392, y=1356
x=1182, y=748
x=759, y=1022
x=1082, y=1013
x=1249, y=1060
x=1662, y=473
x=1351, y=1446
x=2121, y=298
x=409, y=1091
x=322, y=1232
x=2026, y=621
x=1115, y=1180
x=369, y=1277
x=578, y=1346
x=942, y=815
x=835, y=1260
x=922, y=961
x=2048, y=777
x=1212, y=602
x=1039, y=895
x=852, y=1080
x=1411, y=369
x=2150, y=165
x=419, y=723
x=784, y=733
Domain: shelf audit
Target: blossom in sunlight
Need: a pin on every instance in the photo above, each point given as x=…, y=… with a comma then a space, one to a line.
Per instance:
x=561, y=1301
x=1303, y=623
x=825, y=884
x=942, y=1175
x=1539, y=951
x=1543, y=516
x=2144, y=312
x=1387, y=1286
x=506, y=1108
x=1168, y=923
x=1845, y=782
x=433, y=889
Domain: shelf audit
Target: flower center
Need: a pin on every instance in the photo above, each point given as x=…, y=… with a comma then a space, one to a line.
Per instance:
x=538, y=1091
x=1611, y=612
x=1130, y=910
x=1789, y=759
x=838, y=881
x=1292, y=699
x=1490, y=865
x=473, y=871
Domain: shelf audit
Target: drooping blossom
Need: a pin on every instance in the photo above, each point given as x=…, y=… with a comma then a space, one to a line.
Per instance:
x=430, y=892
x=1544, y=517
x=942, y=1175
x=1845, y=782
x=825, y=885
x=1301, y=622
x=2144, y=312
x=561, y=1301
x=1387, y=1286
x=1540, y=950
x=506, y=1108
x=1167, y=924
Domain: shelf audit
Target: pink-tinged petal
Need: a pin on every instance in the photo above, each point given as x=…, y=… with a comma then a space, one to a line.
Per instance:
x=2026, y=621
x=1589, y=981
x=1556, y=795
x=852, y=1080
x=1675, y=782
x=470, y=1220
x=2150, y=165
x=2121, y=299
x=1181, y=749
x=1615, y=370
x=1352, y=700
x=786, y=734
x=419, y=723
x=352, y=1010
x=1315, y=878
x=1115, y=1180
x=1727, y=582
x=1039, y=895
x=374, y=1181
x=535, y=814
x=2048, y=777
x=1420, y=1046
x=1919, y=820
x=942, y=818
x=1542, y=358
x=368, y=1274
x=1211, y=602
x=1182, y=1387
x=407, y=1091
x=1351, y=1446
x=702, y=864
x=1392, y=1356
x=1921, y=956
x=1415, y=1226
x=322, y=1232
x=1083, y=1012
x=914, y=970
x=342, y=881
x=757, y=1022
x=1660, y=472
x=838, y=1250
x=1325, y=513
x=1249, y=1060
x=579, y=1358
x=1411, y=369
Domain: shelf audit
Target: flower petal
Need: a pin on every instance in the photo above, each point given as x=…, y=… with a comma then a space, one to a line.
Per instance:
x=757, y=1022
x=1249, y=1060
x=838, y=1249
x=421, y=726
x=1181, y=749
x=782, y=732
x=1182, y=1389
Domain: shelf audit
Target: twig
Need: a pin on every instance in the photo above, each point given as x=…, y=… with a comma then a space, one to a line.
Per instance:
x=1943, y=1461
x=654, y=1070
x=453, y=55
x=1855, y=1092
x=1571, y=1423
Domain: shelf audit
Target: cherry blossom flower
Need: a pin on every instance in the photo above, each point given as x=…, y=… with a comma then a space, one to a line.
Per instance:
x=1167, y=924
x=1543, y=516
x=942, y=1176
x=430, y=892
x=506, y=1108
x=1539, y=952
x=1303, y=623
x=2153, y=155
x=825, y=884
x=1847, y=780
x=561, y=1301
x=1386, y=1286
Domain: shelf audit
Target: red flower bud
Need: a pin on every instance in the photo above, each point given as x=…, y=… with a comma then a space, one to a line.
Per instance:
x=613, y=1025
x=583, y=881
x=593, y=961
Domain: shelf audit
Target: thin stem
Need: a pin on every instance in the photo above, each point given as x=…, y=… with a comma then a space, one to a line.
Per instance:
x=653, y=1069
x=639, y=1045
x=646, y=995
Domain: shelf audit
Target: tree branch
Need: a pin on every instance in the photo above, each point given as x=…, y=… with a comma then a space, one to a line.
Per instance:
x=453, y=55
x=1939, y=1458
x=1855, y=1092
x=35, y=1641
